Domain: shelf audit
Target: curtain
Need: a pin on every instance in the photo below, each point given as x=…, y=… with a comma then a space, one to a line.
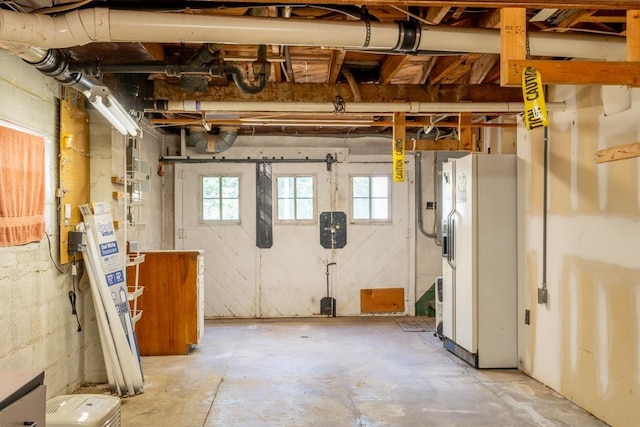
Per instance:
x=22, y=187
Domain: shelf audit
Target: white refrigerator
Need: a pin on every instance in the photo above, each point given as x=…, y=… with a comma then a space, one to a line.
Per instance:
x=480, y=260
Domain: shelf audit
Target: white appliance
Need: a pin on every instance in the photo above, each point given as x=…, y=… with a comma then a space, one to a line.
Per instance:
x=479, y=260
x=90, y=410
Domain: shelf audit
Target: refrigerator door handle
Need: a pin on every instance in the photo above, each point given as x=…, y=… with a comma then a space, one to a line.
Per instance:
x=451, y=240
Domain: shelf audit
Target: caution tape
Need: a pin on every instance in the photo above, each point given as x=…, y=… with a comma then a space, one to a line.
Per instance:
x=398, y=160
x=535, y=109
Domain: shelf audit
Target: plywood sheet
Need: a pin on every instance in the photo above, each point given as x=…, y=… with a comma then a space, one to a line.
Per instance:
x=74, y=170
x=382, y=300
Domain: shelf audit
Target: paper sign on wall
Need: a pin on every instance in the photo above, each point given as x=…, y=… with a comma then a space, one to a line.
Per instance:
x=535, y=109
x=398, y=160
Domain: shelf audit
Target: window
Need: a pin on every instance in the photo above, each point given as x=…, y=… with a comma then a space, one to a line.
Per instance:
x=370, y=198
x=220, y=201
x=295, y=198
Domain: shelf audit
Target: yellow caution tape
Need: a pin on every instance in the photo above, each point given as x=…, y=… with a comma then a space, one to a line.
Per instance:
x=535, y=109
x=398, y=160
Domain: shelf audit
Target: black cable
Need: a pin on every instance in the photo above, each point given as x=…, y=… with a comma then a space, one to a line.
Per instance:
x=52, y=260
x=72, y=295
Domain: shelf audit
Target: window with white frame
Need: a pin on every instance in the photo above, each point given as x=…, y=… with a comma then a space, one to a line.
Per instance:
x=296, y=198
x=370, y=198
x=220, y=199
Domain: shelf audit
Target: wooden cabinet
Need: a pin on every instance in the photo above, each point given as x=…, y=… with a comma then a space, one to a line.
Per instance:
x=22, y=398
x=172, y=303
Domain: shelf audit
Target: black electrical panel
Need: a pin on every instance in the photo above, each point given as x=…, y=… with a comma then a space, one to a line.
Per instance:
x=333, y=230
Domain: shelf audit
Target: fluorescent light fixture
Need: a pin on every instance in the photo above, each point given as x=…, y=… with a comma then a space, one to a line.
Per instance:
x=104, y=101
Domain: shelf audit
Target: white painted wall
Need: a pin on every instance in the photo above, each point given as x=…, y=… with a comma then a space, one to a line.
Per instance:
x=37, y=330
x=584, y=342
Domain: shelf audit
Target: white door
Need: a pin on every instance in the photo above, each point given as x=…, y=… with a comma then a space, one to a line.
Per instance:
x=448, y=271
x=289, y=279
x=230, y=249
x=465, y=253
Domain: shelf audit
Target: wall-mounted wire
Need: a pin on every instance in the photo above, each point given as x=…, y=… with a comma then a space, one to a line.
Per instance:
x=52, y=260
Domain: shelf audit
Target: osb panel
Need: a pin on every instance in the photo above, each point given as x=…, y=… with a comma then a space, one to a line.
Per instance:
x=601, y=358
x=74, y=170
x=383, y=300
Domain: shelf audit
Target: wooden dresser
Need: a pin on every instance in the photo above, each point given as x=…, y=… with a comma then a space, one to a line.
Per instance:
x=172, y=303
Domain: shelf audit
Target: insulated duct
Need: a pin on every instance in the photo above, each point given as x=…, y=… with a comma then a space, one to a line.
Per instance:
x=80, y=27
x=210, y=143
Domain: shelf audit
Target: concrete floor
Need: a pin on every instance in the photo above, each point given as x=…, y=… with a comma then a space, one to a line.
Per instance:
x=335, y=372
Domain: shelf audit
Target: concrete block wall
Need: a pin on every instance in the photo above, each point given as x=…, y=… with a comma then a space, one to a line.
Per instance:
x=37, y=329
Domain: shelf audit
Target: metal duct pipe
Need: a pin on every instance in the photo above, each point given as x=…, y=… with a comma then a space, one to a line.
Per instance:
x=52, y=63
x=350, y=107
x=209, y=143
x=80, y=27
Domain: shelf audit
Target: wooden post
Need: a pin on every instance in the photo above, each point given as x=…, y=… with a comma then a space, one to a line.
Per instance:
x=633, y=35
x=465, y=131
x=513, y=40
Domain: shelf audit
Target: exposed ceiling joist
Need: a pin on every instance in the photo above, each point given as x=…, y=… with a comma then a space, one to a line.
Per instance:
x=537, y=4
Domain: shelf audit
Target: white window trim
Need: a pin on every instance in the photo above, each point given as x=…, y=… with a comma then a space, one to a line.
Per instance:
x=312, y=221
x=219, y=222
x=371, y=221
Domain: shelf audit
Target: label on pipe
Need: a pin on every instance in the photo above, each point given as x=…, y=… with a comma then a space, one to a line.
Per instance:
x=398, y=160
x=535, y=109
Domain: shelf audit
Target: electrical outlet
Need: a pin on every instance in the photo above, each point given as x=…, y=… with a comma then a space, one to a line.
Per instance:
x=431, y=205
x=527, y=317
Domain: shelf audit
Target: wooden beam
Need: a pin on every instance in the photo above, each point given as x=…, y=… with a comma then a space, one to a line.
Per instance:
x=335, y=64
x=633, y=35
x=390, y=66
x=575, y=72
x=155, y=50
x=450, y=68
x=433, y=145
x=435, y=15
x=618, y=153
x=491, y=19
x=481, y=68
x=513, y=39
x=324, y=92
x=531, y=4
x=575, y=18
x=465, y=131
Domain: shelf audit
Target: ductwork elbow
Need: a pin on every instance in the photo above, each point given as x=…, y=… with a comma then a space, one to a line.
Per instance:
x=205, y=142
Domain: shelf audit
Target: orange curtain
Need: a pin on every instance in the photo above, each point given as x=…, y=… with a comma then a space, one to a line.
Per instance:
x=21, y=187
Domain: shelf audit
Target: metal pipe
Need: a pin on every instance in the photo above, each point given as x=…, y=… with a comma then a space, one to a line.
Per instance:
x=80, y=27
x=352, y=107
x=418, y=198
